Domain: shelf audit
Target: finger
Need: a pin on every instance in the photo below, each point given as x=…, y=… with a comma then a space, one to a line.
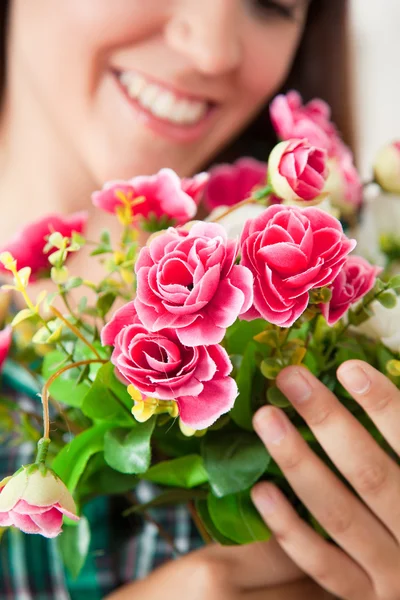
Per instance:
x=329, y=566
x=340, y=513
x=377, y=395
x=371, y=472
x=301, y=590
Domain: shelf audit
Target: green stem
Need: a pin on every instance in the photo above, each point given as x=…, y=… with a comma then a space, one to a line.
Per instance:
x=42, y=449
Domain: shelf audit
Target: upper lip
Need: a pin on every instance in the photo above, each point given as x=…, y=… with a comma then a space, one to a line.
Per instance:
x=178, y=91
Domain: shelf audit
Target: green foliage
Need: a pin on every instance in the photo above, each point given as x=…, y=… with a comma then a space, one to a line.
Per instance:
x=204, y=514
x=71, y=461
x=107, y=399
x=233, y=460
x=241, y=333
x=184, y=472
x=129, y=450
x=236, y=518
x=242, y=412
x=65, y=388
x=74, y=545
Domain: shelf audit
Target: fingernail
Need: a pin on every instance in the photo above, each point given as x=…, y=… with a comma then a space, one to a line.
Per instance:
x=270, y=425
x=264, y=500
x=355, y=379
x=295, y=387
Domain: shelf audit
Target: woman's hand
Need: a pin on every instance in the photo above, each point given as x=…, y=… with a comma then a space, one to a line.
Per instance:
x=259, y=571
x=366, y=524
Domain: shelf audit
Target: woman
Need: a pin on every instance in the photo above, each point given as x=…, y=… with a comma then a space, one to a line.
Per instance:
x=97, y=90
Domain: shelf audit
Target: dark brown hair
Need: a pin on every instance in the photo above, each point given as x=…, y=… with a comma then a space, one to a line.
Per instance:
x=321, y=69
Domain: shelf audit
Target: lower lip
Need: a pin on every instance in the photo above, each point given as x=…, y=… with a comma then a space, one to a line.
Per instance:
x=172, y=131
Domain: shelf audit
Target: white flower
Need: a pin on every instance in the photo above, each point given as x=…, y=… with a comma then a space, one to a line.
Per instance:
x=235, y=220
x=383, y=326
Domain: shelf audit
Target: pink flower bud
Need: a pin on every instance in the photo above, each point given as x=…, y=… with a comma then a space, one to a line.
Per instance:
x=34, y=500
x=387, y=168
x=297, y=172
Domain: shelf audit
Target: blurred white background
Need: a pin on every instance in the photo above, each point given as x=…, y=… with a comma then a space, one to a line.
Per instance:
x=376, y=71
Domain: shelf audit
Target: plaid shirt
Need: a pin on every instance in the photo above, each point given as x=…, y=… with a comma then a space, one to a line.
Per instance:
x=121, y=549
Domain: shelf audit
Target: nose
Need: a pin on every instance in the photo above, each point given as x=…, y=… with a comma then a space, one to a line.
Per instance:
x=208, y=32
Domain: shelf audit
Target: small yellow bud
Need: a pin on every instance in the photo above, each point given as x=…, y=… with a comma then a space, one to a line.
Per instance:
x=144, y=410
x=187, y=431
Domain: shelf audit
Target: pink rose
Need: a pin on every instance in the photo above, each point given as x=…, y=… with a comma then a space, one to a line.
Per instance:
x=28, y=244
x=5, y=343
x=230, y=184
x=290, y=251
x=297, y=172
x=161, y=367
x=355, y=279
x=165, y=195
x=35, y=502
x=292, y=119
x=188, y=280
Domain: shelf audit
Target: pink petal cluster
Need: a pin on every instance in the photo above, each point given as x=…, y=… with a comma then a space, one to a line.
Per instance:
x=187, y=280
x=355, y=279
x=290, y=251
x=165, y=195
x=292, y=119
x=298, y=171
x=229, y=184
x=161, y=367
x=27, y=246
x=5, y=343
x=35, y=502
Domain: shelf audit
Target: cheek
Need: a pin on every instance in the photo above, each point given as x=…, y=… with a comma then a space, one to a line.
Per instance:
x=70, y=41
x=268, y=58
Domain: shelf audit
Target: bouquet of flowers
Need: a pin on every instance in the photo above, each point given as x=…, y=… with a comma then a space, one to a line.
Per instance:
x=158, y=370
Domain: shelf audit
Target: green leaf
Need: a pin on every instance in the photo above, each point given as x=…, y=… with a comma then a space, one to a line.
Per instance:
x=71, y=461
x=129, y=450
x=72, y=283
x=394, y=282
x=107, y=398
x=233, y=461
x=184, y=472
x=277, y=398
x=241, y=333
x=387, y=299
x=74, y=545
x=168, y=498
x=16, y=376
x=242, y=412
x=105, y=302
x=101, y=479
x=65, y=388
x=22, y=315
x=217, y=536
x=236, y=517
x=271, y=367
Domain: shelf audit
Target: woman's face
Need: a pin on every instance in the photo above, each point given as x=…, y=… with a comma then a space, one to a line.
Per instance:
x=130, y=86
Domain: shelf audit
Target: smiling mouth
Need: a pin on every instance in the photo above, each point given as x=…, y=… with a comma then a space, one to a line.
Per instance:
x=164, y=103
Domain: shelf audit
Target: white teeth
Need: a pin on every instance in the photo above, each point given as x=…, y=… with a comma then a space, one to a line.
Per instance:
x=162, y=103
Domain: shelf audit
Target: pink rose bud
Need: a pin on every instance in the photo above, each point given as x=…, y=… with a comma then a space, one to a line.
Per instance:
x=356, y=278
x=297, y=172
x=34, y=500
x=387, y=168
